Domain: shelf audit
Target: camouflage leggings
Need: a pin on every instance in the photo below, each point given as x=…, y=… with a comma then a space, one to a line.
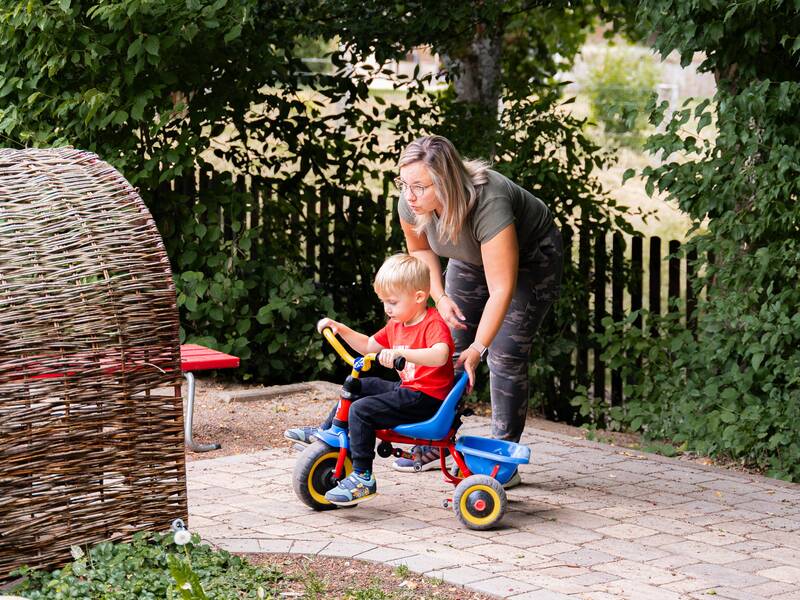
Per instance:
x=538, y=285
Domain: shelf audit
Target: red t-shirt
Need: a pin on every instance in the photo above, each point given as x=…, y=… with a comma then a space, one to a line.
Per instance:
x=434, y=381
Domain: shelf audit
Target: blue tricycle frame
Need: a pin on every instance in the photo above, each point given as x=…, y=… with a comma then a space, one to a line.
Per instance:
x=482, y=465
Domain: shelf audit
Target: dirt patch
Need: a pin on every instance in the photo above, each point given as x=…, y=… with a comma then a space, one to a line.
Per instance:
x=328, y=578
x=243, y=427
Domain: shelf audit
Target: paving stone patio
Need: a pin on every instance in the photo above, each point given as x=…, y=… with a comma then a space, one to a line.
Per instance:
x=591, y=521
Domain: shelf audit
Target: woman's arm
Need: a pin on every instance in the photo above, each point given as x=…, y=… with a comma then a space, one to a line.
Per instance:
x=500, y=263
x=418, y=246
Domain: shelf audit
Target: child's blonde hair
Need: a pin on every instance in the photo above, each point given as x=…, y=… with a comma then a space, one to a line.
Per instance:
x=402, y=273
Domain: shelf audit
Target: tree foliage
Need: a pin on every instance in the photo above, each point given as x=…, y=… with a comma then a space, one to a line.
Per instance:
x=292, y=210
x=734, y=389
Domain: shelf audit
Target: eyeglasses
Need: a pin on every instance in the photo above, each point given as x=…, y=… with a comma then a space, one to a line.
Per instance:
x=417, y=190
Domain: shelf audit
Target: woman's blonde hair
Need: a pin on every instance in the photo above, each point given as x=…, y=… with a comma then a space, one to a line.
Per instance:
x=456, y=182
x=402, y=273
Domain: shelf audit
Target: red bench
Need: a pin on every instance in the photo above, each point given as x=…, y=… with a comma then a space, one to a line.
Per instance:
x=200, y=358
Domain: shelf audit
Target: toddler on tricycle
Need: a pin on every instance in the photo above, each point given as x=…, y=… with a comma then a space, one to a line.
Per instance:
x=423, y=408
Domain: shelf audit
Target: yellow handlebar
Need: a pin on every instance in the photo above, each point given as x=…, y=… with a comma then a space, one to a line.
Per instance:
x=340, y=350
x=337, y=345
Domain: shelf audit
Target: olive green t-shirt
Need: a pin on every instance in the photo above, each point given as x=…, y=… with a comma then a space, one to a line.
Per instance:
x=500, y=202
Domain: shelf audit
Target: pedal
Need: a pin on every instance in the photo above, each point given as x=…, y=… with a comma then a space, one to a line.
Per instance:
x=299, y=447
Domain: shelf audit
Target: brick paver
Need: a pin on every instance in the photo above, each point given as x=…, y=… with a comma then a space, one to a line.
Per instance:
x=590, y=522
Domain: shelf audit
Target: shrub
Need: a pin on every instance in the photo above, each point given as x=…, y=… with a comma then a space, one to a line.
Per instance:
x=619, y=90
x=141, y=569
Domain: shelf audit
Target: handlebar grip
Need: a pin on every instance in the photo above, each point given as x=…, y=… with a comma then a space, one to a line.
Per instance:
x=399, y=362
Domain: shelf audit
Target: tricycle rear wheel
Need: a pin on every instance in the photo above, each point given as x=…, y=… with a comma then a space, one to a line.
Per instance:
x=479, y=502
x=314, y=474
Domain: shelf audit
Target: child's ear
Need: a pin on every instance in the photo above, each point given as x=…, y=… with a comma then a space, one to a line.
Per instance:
x=420, y=297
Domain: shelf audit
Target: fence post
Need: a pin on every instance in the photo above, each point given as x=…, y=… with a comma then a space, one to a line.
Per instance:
x=312, y=222
x=255, y=219
x=565, y=370
x=600, y=261
x=617, y=289
x=582, y=309
x=674, y=280
x=637, y=267
x=267, y=216
x=655, y=279
x=636, y=285
x=691, y=299
x=324, y=227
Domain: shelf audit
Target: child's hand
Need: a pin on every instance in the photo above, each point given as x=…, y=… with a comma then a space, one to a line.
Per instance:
x=329, y=323
x=387, y=356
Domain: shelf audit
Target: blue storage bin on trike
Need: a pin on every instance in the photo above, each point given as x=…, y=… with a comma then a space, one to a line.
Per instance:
x=484, y=455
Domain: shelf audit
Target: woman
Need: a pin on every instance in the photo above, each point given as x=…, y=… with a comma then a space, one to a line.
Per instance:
x=503, y=274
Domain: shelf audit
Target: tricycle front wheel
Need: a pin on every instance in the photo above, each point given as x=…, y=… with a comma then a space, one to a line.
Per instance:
x=479, y=502
x=314, y=474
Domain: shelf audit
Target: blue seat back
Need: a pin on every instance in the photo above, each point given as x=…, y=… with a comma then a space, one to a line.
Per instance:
x=439, y=424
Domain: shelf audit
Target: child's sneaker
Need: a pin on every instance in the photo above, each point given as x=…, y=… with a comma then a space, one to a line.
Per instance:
x=425, y=459
x=304, y=435
x=352, y=490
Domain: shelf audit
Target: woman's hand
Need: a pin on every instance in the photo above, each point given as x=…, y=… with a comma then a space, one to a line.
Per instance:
x=469, y=360
x=450, y=312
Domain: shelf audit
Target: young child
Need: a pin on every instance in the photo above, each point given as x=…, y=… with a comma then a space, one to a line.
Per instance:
x=415, y=332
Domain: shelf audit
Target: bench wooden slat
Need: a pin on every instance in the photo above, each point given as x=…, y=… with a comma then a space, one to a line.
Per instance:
x=200, y=358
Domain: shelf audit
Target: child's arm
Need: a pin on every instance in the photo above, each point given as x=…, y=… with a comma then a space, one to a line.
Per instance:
x=357, y=341
x=435, y=356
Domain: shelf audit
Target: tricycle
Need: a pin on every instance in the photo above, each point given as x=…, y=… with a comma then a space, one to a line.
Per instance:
x=482, y=465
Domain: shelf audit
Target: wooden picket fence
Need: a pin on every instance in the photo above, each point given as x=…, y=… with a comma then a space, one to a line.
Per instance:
x=621, y=273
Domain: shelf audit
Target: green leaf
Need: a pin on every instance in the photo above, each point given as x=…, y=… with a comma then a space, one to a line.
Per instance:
x=265, y=315
x=137, y=110
x=151, y=45
x=135, y=48
x=10, y=84
x=65, y=5
x=629, y=173
x=243, y=326
x=705, y=120
x=233, y=33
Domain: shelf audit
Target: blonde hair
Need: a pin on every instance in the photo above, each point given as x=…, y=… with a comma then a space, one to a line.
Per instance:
x=402, y=273
x=456, y=181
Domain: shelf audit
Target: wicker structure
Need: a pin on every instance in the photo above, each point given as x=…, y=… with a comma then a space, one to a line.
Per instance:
x=88, y=331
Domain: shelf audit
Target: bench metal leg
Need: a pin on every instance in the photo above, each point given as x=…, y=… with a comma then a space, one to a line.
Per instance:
x=187, y=421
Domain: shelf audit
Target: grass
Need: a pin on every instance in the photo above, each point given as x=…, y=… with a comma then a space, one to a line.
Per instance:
x=315, y=588
x=402, y=571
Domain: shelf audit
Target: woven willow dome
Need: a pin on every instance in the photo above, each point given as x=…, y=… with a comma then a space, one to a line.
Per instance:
x=88, y=332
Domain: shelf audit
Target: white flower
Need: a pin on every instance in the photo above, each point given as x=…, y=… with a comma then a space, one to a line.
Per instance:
x=182, y=537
